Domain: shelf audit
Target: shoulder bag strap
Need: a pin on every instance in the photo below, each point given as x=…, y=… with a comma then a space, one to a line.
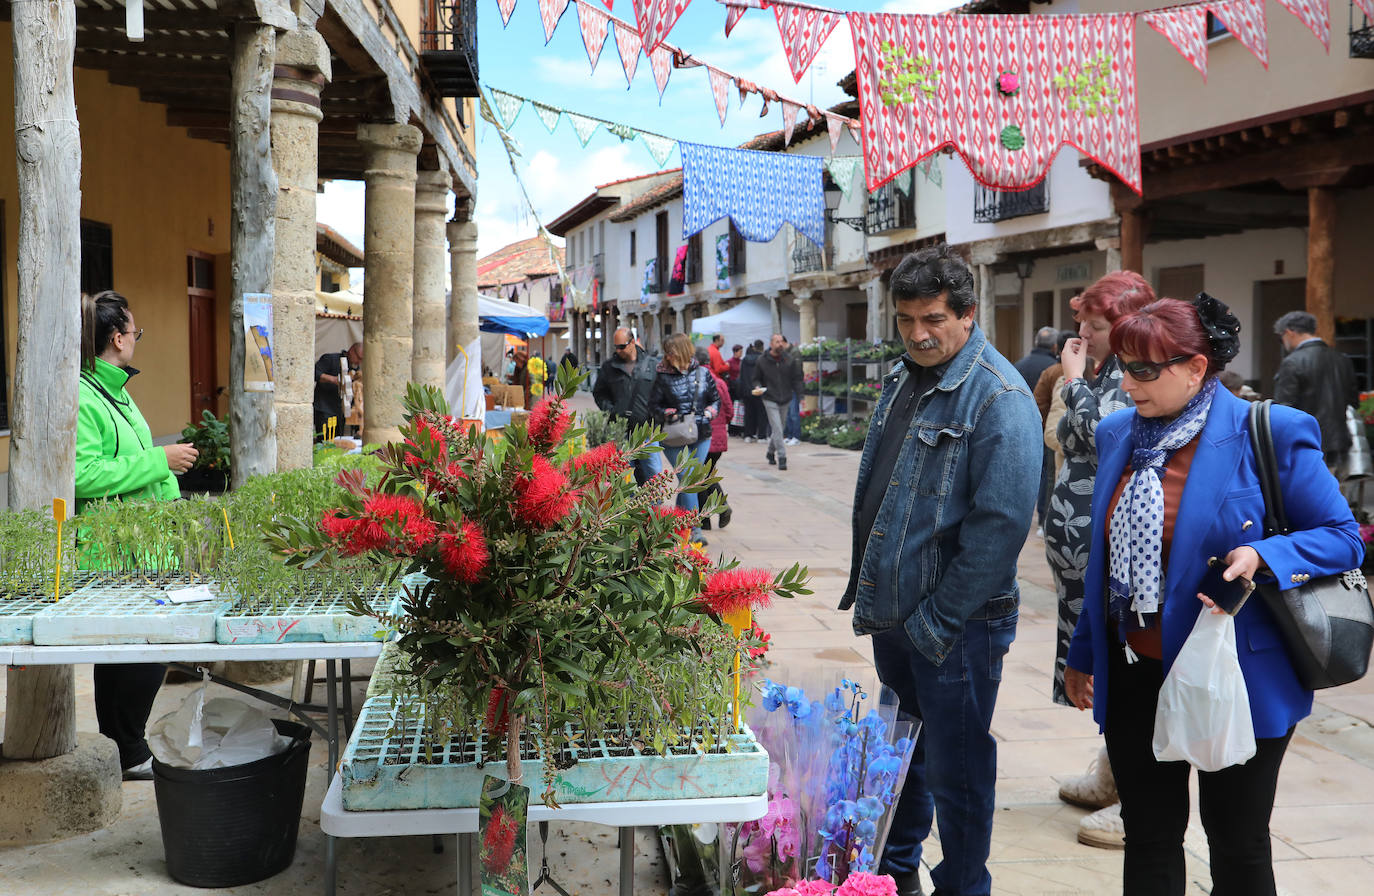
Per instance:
x=1266, y=466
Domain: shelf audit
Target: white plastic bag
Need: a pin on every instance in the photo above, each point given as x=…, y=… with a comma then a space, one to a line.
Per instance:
x=1203, y=716
x=217, y=733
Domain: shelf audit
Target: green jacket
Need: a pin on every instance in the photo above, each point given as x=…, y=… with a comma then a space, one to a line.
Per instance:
x=115, y=454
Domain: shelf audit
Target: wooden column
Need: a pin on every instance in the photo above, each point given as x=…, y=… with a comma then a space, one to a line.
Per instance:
x=40, y=701
x=429, y=361
x=252, y=236
x=1321, y=259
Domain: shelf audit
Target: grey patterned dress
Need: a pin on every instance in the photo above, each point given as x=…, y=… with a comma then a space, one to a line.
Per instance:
x=1068, y=518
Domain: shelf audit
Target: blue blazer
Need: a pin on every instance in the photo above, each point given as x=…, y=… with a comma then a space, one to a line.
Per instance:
x=1221, y=509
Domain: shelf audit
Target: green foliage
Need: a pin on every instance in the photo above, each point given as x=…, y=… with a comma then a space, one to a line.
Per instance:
x=28, y=554
x=211, y=438
x=849, y=437
x=601, y=427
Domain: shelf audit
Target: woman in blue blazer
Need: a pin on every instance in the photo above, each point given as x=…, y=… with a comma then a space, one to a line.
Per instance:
x=1176, y=484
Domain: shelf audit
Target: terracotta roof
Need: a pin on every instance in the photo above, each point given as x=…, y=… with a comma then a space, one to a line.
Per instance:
x=333, y=246
x=516, y=262
x=660, y=194
x=626, y=180
x=584, y=211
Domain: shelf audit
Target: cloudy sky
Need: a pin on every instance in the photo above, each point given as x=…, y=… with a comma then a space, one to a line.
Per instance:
x=556, y=169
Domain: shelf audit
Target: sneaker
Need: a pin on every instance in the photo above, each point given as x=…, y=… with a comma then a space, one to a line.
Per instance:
x=1094, y=790
x=749, y=440
x=791, y=441
x=1103, y=829
x=725, y=517
x=772, y=459
x=141, y=772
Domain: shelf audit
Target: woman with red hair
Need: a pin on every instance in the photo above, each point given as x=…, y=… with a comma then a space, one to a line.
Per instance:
x=1176, y=485
x=1091, y=390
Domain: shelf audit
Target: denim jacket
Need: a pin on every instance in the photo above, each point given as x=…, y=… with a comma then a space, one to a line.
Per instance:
x=944, y=544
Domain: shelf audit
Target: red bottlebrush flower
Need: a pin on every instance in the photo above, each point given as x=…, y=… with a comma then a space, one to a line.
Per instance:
x=687, y=517
x=727, y=590
x=419, y=531
x=442, y=481
x=336, y=527
x=498, y=842
x=543, y=497
x=464, y=551
x=498, y=712
x=604, y=459
x=353, y=536
x=691, y=558
x=548, y=422
x=423, y=425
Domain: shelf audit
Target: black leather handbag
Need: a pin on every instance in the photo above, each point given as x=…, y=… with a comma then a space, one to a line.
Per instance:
x=1327, y=623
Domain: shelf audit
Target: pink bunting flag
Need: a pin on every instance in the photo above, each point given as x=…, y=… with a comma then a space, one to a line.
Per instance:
x=655, y=19
x=803, y=31
x=1186, y=28
x=835, y=125
x=507, y=7
x=610, y=4
x=857, y=134
x=720, y=91
x=594, y=23
x=661, y=61
x=789, y=120
x=628, y=44
x=550, y=11
x=1245, y=20
x=732, y=16
x=1316, y=15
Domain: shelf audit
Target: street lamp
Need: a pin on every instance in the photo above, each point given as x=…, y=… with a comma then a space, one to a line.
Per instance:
x=1024, y=267
x=833, y=194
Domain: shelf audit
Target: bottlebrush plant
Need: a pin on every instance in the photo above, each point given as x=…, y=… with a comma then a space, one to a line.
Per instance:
x=561, y=602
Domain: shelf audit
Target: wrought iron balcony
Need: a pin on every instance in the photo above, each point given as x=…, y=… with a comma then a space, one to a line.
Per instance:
x=892, y=206
x=599, y=266
x=998, y=205
x=1361, y=34
x=807, y=257
x=448, y=45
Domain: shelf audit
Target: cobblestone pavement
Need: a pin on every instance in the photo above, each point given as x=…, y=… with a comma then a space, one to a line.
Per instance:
x=1323, y=843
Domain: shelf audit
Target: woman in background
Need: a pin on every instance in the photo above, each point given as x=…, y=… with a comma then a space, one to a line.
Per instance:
x=684, y=389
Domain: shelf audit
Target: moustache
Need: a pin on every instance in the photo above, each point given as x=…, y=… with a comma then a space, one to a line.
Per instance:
x=924, y=345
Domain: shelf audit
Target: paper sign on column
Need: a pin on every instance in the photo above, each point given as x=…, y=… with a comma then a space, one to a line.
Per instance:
x=257, y=348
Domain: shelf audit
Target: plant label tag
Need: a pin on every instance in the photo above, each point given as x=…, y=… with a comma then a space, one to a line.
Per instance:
x=501, y=826
x=191, y=595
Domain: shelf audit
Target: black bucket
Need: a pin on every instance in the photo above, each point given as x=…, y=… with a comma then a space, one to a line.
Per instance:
x=223, y=827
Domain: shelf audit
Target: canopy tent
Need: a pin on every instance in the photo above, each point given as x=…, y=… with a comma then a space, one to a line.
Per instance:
x=495, y=316
x=749, y=320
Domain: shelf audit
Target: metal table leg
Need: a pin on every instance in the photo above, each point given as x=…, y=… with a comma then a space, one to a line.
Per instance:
x=332, y=702
x=346, y=680
x=467, y=863
x=627, y=861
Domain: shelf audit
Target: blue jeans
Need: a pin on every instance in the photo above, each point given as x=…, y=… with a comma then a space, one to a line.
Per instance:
x=687, y=500
x=647, y=468
x=793, y=428
x=954, y=769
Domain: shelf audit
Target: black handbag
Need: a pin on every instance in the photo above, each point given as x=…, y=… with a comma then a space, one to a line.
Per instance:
x=1326, y=623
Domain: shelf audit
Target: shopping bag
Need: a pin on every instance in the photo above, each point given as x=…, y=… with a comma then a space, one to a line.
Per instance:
x=737, y=419
x=215, y=733
x=1203, y=717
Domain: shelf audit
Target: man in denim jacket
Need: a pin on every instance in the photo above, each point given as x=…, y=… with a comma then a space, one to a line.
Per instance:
x=946, y=490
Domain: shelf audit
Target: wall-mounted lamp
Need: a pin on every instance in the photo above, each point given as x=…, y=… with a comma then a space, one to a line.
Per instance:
x=833, y=194
x=1024, y=267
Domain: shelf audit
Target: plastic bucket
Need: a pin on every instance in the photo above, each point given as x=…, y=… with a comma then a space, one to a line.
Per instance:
x=224, y=827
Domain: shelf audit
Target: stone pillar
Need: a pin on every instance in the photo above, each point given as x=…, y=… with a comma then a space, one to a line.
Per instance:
x=877, y=318
x=389, y=260
x=462, y=307
x=429, y=353
x=1112, y=246
x=775, y=311
x=679, y=319
x=1321, y=260
x=987, y=303
x=806, y=308
x=301, y=71
x=713, y=307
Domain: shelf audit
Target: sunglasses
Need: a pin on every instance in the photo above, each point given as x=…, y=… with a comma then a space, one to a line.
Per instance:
x=1149, y=371
x=137, y=334
x=621, y=346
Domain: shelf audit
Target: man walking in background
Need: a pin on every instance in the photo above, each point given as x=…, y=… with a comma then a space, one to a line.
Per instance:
x=1315, y=378
x=755, y=421
x=622, y=390
x=779, y=375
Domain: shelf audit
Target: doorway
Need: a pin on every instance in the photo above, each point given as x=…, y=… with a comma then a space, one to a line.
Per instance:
x=200, y=293
x=1273, y=299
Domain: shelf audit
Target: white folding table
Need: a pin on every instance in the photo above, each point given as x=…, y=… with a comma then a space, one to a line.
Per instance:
x=337, y=821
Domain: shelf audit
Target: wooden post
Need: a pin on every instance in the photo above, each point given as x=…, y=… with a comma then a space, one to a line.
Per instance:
x=40, y=702
x=1133, y=240
x=252, y=236
x=1321, y=260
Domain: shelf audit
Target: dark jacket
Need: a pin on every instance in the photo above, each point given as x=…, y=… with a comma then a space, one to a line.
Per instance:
x=1321, y=381
x=747, y=365
x=1031, y=366
x=679, y=391
x=622, y=394
x=782, y=377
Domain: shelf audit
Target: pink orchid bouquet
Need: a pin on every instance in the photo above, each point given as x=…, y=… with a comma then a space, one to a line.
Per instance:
x=860, y=883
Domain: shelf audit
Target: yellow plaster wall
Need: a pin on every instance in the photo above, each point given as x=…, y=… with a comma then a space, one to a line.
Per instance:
x=162, y=194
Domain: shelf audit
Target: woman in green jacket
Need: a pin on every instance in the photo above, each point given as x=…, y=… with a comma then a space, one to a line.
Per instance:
x=116, y=459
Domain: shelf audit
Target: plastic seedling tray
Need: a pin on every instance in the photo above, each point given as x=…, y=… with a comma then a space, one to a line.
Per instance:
x=389, y=765
x=18, y=608
x=315, y=617
x=384, y=672
x=133, y=609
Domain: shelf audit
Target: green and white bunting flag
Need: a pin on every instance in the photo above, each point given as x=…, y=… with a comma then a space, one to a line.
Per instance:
x=547, y=114
x=842, y=170
x=508, y=104
x=583, y=125
x=659, y=147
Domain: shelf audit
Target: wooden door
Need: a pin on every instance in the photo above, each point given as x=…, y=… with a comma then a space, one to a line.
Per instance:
x=856, y=320
x=200, y=292
x=1273, y=299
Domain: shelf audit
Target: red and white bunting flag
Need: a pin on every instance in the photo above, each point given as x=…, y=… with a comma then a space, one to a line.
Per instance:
x=720, y=91
x=655, y=19
x=1368, y=7
x=1245, y=20
x=803, y=31
x=857, y=134
x=550, y=11
x=1186, y=28
x=789, y=120
x=507, y=7
x=661, y=61
x=610, y=4
x=1316, y=15
x=732, y=16
x=627, y=43
x=594, y=23
x=835, y=125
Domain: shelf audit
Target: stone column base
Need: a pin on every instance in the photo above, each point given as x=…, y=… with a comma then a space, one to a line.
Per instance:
x=51, y=799
x=257, y=671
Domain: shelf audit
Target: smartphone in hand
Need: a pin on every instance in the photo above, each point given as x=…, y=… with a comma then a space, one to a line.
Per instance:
x=1229, y=596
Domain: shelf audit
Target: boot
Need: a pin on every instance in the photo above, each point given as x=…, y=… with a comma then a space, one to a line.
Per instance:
x=1103, y=829
x=772, y=459
x=782, y=463
x=706, y=523
x=1094, y=790
x=725, y=517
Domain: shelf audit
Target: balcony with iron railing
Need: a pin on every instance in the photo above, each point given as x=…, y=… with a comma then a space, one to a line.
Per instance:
x=1361, y=34
x=807, y=257
x=892, y=206
x=999, y=205
x=448, y=45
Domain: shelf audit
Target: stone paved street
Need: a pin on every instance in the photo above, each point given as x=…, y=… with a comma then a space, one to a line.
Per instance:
x=1323, y=842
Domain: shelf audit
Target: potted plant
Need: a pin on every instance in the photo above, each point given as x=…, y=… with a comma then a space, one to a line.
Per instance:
x=559, y=605
x=210, y=437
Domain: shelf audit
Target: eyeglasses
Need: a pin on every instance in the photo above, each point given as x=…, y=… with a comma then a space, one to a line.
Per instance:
x=137, y=334
x=621, y=346
x=1149, y=371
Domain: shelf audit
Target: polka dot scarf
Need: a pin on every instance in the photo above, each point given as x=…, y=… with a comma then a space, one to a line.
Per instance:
x=1136, y=580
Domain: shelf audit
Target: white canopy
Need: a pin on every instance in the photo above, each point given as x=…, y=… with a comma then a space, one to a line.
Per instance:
x=749, y=320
